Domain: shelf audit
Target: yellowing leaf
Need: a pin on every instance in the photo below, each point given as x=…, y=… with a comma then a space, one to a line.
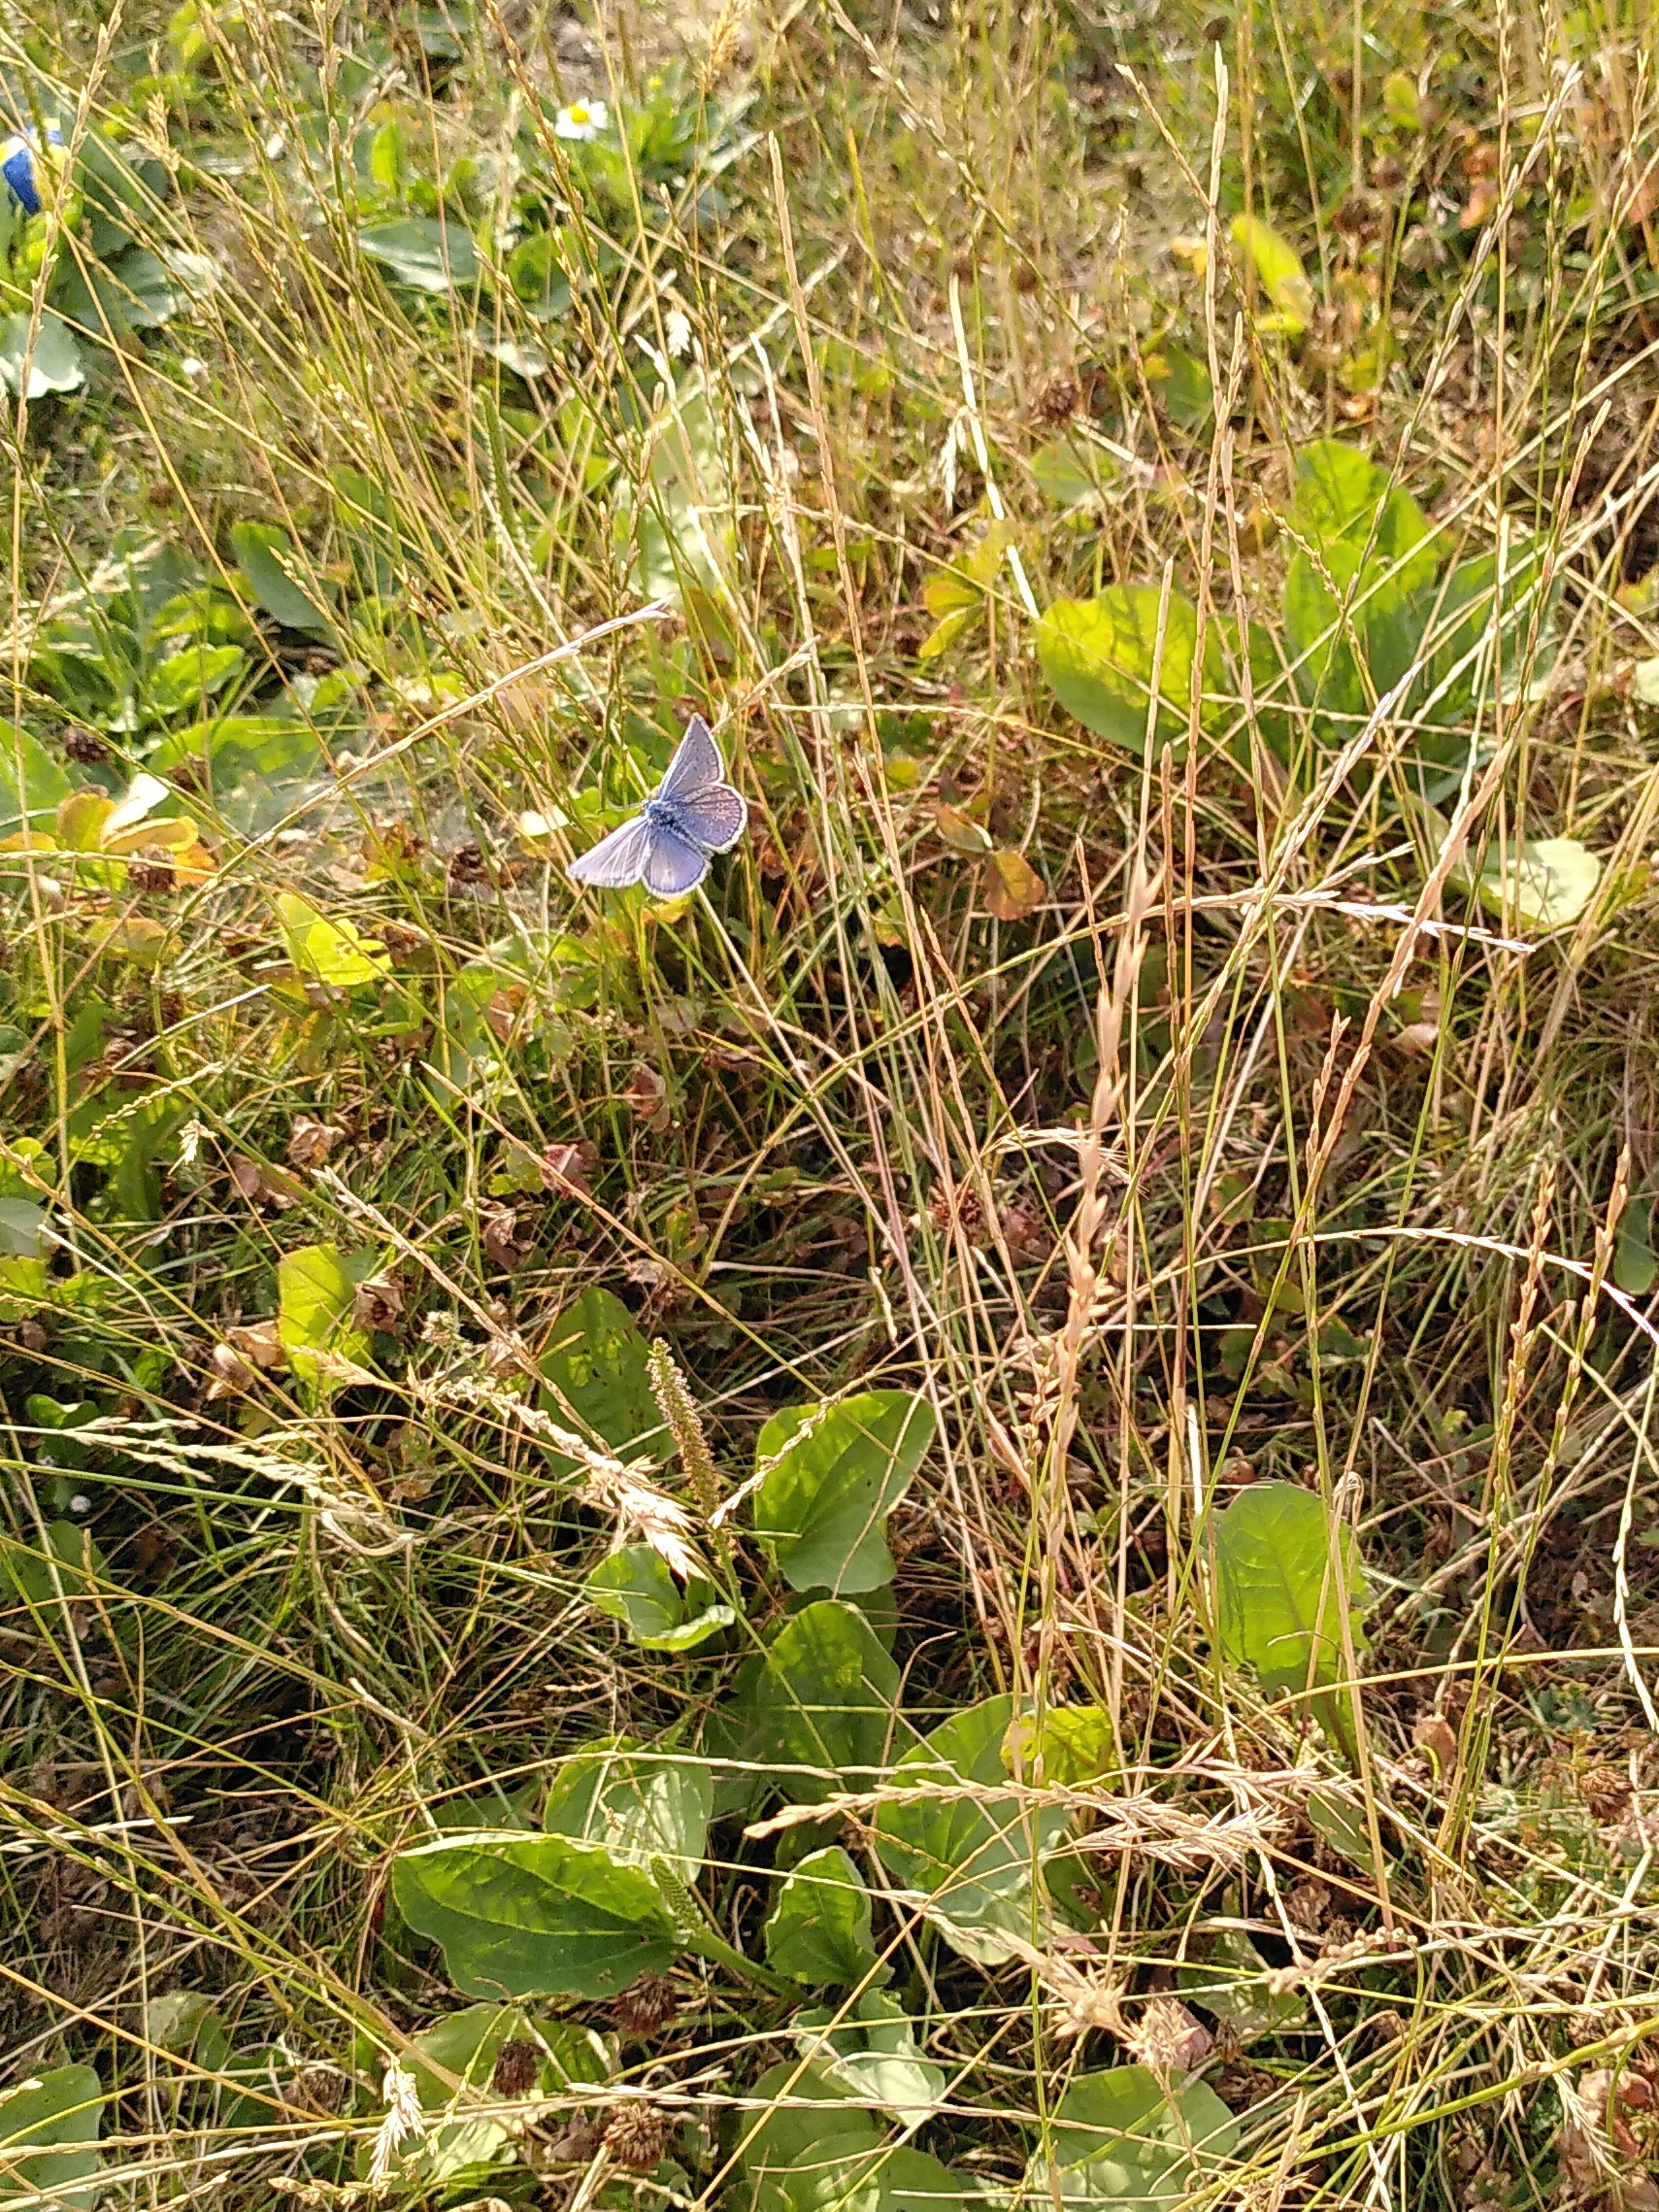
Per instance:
x=136, y=938
x=945, y=633
x=1401, y=101
x=960, y=830
x=1545, y=885
x=334, y=953
x=1192, y=252
x=1279, y=273
x=1013, y=886
x=80, y=820
x=956, y=594
x=164, y=830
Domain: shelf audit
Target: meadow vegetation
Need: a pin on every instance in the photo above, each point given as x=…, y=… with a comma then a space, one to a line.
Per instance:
x=970, y=1520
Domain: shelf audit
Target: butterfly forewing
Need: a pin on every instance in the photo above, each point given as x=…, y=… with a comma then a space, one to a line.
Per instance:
x=696, y=765
x=616, y=860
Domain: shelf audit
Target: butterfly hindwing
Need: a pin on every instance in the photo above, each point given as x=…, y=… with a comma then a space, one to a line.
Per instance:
x=672, y=865
x=713, y=818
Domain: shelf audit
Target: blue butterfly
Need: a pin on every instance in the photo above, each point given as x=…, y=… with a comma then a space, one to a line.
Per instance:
x=19, y=156
x=693, y=814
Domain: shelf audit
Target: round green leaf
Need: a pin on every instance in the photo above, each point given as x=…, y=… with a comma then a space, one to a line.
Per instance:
x=48, y=2137
x=1547, y=885
x=1098, y=655
x=820, y=1929
x=823, y=1698
x=54, y=365
x=1283, y=1570
x=833, y=1476
x=597, y=1363
x=636, y=1586
x=418, y=251
x=1118, y=2138
x=976, y=1855
x=535, y=1916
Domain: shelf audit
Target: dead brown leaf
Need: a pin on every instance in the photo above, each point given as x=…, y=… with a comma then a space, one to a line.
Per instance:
x=378, y=1303
x=564, y=1169
x=311, y=1141
x=506, y=1246
x=646, y=1095
x=260, y=1186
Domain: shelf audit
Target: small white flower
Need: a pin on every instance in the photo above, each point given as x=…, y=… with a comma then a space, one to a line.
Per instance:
x=678, y=332
x=583, y=120
x=195, y=370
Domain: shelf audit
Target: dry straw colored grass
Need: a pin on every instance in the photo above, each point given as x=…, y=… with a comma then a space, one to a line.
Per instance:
x=1256, y=1062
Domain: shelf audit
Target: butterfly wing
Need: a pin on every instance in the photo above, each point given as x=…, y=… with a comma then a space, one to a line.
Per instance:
x=713, y=818
x=671, y=866
x=695, y=766
x=616, y=860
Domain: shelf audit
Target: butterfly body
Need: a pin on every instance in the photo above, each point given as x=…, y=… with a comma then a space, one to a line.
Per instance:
x=693, y=814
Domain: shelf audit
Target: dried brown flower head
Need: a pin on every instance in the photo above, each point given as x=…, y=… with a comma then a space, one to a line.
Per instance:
x=635, y=2137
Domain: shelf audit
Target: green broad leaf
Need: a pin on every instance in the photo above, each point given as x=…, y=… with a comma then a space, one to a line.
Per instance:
x=1182, y=381
x=32, y=1579
x=32, y=784
x=181, y=682
x=49, y=2138
x=535, y=1916
x=1546, y=884
x=1279, y=273
x=1098, y=655
x=1066, y=472
x=819, y=1928
x=54, y=365
x=275, y=578
x=1284, y=1571
x=523, y=359
x=975, y=1856
x=597, y=1366
x=110, y=299
x=1063, y=1748
x=832, y=1475
x=422, y=252
x=187, y=2023
x=317, y=1290
x=536, y=274
x=638, y=1806
x=1231, y=1984
x=915, y=2181
x=810, y=2149
x=824, y=1697
x=1402, y=102
x=468, y=2133
x=1344, y=501
x=332, y=952
x=1120, y=2138
x=1645, y=682
x=1635, y=1267
x=636, y=1586
x=22, y=1228
x=872, y=2047
x=268, y=747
